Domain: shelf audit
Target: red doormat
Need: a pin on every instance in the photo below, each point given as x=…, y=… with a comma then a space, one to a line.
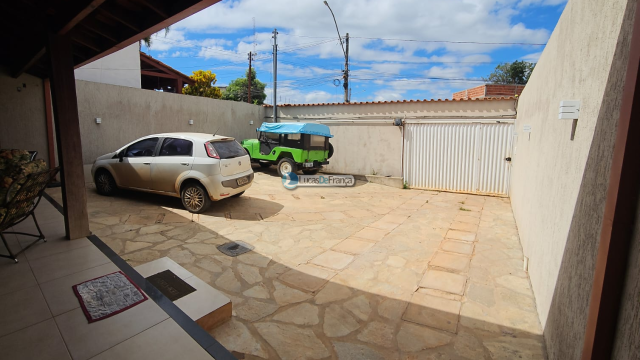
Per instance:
x=107, y=295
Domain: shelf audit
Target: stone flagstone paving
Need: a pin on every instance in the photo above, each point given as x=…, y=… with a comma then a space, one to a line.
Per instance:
x=368, y=272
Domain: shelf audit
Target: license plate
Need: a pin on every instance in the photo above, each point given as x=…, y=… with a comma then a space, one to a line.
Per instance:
x=309, y=164
x=243, y=180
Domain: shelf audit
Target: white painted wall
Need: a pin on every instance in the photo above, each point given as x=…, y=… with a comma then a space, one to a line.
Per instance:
x=486, y=108
x=22, y=117
x=128, y=114
x=559, y=184
x=120, y=68
x=366, y=142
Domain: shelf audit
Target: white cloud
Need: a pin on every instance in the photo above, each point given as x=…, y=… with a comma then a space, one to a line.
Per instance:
x=524, y=3
x=388, y=95
x=307, y=31
x=469, y=20
x=532, y=57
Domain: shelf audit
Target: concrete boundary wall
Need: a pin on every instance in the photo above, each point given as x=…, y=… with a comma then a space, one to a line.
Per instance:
x=128, y=113
x=559, y=181
x=22, y=118
x=365, y=140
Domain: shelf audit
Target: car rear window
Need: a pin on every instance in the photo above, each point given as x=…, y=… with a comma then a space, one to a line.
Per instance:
x=228, y=149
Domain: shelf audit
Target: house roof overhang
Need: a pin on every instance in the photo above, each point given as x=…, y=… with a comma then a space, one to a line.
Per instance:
x=152, y=67
x=96, y=27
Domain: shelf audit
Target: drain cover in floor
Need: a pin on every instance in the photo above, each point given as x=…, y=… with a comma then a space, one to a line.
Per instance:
x=170, y=285
x=235, y=248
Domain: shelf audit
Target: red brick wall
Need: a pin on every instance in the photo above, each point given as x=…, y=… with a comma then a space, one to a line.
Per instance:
x=492, y=90
x=472, y=93
x=504, y=90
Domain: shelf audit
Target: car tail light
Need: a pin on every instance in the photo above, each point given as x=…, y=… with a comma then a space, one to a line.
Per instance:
x=211, y=151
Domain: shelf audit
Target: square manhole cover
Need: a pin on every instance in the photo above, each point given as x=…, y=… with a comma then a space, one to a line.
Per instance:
x=235, y=248
x=170, y=285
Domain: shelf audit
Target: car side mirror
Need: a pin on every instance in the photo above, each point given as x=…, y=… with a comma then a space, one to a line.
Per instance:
x=120, y=156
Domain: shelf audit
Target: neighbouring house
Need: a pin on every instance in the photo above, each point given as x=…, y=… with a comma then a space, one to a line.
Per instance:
x=156, y=75
x=132, y=68
x=488, y=91
x=119, y=68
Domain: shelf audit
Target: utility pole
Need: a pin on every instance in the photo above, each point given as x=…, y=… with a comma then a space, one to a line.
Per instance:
x=345, y=76
x=275, y=74
x=249, y=78
x=347, y=98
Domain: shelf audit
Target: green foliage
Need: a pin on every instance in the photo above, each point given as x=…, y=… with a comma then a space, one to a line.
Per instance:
x=147, y=40
x=203, y=86
x=517, y=72
x=238, y=89
x=405, y=185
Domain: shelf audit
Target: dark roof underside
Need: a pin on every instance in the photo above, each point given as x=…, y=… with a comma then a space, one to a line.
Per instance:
x=96, y=27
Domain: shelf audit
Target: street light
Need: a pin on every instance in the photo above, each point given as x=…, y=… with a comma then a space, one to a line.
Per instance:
x=346, y=55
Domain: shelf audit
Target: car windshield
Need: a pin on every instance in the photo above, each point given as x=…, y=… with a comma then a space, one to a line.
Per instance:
x=228, y=149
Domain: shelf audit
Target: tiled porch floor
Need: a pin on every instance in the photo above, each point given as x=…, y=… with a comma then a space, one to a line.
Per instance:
x=369, y=272
x=40, y=318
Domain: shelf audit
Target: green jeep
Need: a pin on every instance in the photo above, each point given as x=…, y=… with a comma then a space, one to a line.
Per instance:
x=291, y=146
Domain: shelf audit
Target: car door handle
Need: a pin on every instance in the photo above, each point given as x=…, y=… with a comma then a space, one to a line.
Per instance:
x=185, y=164
x=147, y=163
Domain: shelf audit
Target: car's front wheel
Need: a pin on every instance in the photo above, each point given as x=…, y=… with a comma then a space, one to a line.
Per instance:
x=105, y=183
x=195, y=198
x=286, y=166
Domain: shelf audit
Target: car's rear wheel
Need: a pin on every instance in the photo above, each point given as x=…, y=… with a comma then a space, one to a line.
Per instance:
x=105, y=183
x=310, y=171
x=285, y=166
x=330, y=154
x=264, y=164
x=195, y=198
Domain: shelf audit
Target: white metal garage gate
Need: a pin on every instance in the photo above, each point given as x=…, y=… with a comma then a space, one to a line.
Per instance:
x=465, y=156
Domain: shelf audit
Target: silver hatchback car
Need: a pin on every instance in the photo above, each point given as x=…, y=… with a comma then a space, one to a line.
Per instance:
x=198, y=168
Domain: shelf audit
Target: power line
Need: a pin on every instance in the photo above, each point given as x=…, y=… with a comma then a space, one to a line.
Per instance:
x=427, y=41
x=423, y=79
x=451, y=41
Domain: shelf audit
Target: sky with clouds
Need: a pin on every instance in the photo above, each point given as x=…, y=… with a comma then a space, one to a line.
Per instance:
x=398, y=49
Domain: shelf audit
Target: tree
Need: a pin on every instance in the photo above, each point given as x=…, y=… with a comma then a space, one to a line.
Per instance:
x=148, y=41
x=204, y=85
x=517, y=72
x=238, y=89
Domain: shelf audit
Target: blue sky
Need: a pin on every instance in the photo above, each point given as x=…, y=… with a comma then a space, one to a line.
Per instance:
x=384, y=66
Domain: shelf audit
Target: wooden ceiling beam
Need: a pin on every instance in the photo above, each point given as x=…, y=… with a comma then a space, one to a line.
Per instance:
x=104, y=31
x=83, y=13
x=68, y=18
x=86, y=40
x=121, y=16
x=157, y=8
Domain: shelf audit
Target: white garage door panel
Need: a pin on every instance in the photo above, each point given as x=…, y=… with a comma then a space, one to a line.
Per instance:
x=464, y=157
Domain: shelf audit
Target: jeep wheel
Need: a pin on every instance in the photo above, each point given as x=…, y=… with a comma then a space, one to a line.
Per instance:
x=195, y=198
x=330, y=151
x=310, y=171
x=285, y=166
x=105, y=183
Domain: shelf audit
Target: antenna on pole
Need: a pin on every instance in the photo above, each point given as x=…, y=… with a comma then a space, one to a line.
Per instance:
x=255, y=40
x=275, y=75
